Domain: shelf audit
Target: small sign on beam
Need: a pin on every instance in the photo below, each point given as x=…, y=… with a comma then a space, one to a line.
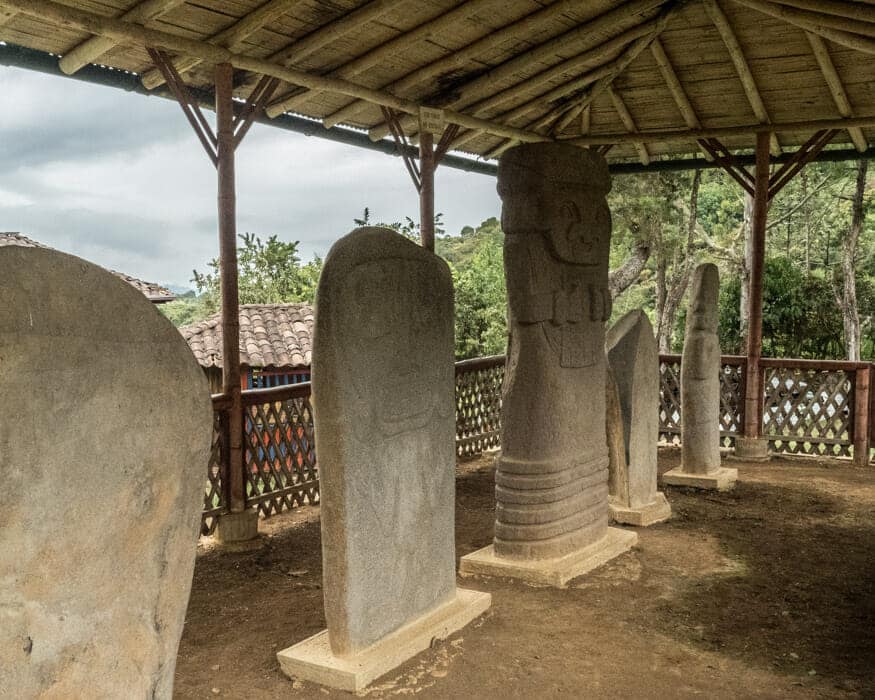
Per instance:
x=431, y=120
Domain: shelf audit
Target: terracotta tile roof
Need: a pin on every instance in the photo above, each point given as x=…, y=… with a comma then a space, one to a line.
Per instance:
x=271, y=335
x=153, y=292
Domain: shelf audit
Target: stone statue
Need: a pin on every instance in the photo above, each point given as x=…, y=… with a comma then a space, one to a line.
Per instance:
x=105, y=430
x=700, y=390
x=551, y=478
x=634, y=363
x=384, y=400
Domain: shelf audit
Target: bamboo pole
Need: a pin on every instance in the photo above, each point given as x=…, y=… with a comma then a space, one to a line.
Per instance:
x=229, y=38
x=836, y=88
x=860, y=11
x=431, y=27
x=227, y=210
x=125, y=33
x=847, y=32
x=95, y=47
x=667, y=135
x=862, y=387
x=626, y=117
x=510, y=32
x=753, y=395
x=426, y=190
x=742, y=69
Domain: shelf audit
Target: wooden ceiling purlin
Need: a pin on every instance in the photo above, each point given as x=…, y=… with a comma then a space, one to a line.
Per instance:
x=511, y=32
x=477, y=94
x=230, y=37
x=727, y=33
x=130, y=34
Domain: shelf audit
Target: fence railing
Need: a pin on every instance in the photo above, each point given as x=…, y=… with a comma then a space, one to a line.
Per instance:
x=809, y=407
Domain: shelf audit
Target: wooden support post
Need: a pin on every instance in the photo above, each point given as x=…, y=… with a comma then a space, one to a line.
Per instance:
x=862, y=383
x=753, y=395
x=227, y=207
x=426, y=190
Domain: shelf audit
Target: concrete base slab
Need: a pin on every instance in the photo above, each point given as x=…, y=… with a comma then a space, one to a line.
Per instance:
x=237, y=528
x=752, y=449
x=722, y=479
x=550, y=572
x=656, y=512
x=312, y=660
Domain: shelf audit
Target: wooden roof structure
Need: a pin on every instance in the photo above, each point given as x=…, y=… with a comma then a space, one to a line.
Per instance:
x=647, y=79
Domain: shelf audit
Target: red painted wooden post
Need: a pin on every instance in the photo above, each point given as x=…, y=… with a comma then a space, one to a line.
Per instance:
x=426, y=190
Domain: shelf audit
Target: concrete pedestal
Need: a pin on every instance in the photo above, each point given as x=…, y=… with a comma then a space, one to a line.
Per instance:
x=752, y=449
x=656, y=512
x=312, y=660
x=722, y=479
x=550, y=572
x=236, y=529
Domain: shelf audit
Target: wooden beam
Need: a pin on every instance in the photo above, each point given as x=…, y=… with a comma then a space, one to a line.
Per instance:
x=668, y=135
x=836, y=88
x=135, y=35
x=506, y=34
x=95, y=47
x=859, y=11
x=230, y=37
x=801, y=158
x=727, y=33
x=227, y=211
x=628, y=122
x=825, y=26
x=385, y=51
x=724, y=158
x=6, y=15
x=586, y=120
x=752, y=398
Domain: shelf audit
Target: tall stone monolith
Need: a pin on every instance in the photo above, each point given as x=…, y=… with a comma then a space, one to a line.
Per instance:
x=634, y=362
x=105, y=430
x=551, y=479
x=700, y=390
x=383, y=394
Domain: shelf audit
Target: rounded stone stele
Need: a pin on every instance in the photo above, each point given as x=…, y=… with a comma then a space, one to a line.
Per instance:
x=105, y=429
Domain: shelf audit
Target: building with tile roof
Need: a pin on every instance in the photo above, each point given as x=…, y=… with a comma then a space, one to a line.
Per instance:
x=275, y=344
x=153, y=292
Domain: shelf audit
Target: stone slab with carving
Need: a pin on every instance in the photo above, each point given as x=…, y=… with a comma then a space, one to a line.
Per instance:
x=700, y=390
x=105, y=430
x=552, y=478
x=634, y=362
x=384, y=403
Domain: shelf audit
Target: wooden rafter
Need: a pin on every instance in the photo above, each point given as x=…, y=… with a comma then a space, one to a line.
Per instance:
x=477, y=93
x=847, y=32
x=443, y=145
x=126, y=33
x=384, y=51
x=724, y=158
x=836, y=88
x=508, y=33
x=840, y=8
x=806, y=153
x=254, y=106
x=628, y=122
x=727, y=33
x=403, y=147
x=95, y=47
x=230, y=38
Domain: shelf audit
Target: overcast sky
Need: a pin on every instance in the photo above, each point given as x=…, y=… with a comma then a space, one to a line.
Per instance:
x=121, y=180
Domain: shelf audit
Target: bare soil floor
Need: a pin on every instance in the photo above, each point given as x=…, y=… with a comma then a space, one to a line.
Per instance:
x=767, y=591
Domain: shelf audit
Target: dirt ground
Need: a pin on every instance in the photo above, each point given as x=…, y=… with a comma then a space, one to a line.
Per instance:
x=767, y=591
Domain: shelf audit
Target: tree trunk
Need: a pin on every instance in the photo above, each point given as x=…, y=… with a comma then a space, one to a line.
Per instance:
x=626, y=275
x=850, y=313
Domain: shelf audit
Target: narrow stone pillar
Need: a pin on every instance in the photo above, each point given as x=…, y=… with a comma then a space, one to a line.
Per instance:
x=700, y=391
x=551, y=480
x=633, y=359
x=383, y=392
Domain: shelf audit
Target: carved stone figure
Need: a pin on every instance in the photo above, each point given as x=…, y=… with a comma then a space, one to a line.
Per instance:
x=634, y=363
x=551, y=478
x=383, y=395
x=105, y=429
x=700, y=390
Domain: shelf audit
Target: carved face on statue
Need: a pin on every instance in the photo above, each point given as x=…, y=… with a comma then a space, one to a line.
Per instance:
x=577, y=230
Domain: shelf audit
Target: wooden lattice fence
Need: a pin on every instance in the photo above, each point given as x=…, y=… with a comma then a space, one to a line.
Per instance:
x=809, y=407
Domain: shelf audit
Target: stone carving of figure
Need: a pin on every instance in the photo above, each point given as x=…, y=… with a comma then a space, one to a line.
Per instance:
x=551, y=481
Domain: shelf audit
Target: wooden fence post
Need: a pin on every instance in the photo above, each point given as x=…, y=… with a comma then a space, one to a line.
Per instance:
x=862, y=415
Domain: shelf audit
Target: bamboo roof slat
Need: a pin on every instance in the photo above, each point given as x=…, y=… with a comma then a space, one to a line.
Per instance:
x=504, y=70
